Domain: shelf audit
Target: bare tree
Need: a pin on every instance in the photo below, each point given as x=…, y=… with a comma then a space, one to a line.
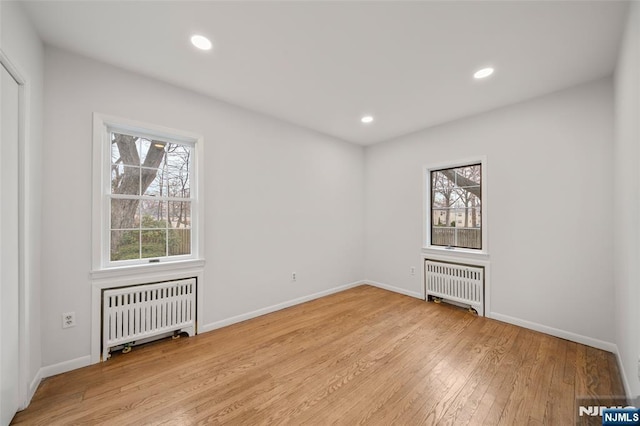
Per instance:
x=456, y=191
x=468, y=185
x=444, y=186
x=132, y=179
x=178, y=185
x=472, y=186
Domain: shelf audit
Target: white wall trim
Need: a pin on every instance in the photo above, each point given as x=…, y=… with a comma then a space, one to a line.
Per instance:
x=426, y=205
x=273, y=308
x=63, y=367
x=33, y=387
x=125, y=272
x=574, y=337
x=101, y=185
x=395, y=289
x=625, y=382
x=24, y=278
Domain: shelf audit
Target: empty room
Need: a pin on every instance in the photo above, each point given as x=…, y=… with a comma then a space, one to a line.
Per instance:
x=319, y=212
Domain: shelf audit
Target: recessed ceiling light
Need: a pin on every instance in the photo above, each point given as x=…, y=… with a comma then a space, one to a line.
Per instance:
x=201, y=42
x=367, y=119
x=483, y=73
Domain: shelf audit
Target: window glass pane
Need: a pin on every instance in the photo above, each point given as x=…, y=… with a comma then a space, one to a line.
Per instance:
x=439, y=217
x=154, y=214
x=468, y=176
x=179, y=214
x=476, y=218
x=153, y=243
x=125, y=214
x=125, y=180
x=456, y=207
x=115, y=152
x=152, y=182
x=124, y=149
x=152, y=153
x=443, y=236
x=179, y=242
x=441, y=199
x=125, y=245
x=177, y=167
x=142, y=145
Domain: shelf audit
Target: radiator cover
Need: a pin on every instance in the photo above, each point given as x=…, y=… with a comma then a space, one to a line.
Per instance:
x=144, y=311
x=456, y=282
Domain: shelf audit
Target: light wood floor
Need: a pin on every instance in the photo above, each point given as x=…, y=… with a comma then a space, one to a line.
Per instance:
x=361, y=356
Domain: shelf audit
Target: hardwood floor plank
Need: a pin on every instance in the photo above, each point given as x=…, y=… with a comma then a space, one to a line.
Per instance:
x=547, y=364
x=469, y=403
x=560, y=398
x=501, y=386
x=362, y=356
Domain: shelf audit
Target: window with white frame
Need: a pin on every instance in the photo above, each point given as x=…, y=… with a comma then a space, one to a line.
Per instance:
x=455, y=218
x=148, y=194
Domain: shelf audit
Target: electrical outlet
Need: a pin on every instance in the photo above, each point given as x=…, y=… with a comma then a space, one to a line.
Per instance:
x=68, y=319
x=293, y=276
x=412, y=270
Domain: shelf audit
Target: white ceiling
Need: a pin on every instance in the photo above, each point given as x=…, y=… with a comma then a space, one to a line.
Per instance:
x=323, y=64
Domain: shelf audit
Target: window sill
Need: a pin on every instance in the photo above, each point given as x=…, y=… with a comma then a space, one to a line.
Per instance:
x=456, y=253
x=147, y=269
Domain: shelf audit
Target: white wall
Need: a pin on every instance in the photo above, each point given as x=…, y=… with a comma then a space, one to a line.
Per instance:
x=549, y=199
x=278, y=198
x=22, y=46
x=626, y=201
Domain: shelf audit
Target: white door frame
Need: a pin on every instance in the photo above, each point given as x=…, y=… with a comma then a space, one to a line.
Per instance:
x=23, y=282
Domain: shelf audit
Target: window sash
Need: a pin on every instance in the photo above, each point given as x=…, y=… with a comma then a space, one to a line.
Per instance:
x=443, y=234
x=103, y=161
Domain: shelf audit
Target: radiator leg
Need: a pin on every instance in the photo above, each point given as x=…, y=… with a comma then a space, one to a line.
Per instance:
x=191, y=331
x=434, y=299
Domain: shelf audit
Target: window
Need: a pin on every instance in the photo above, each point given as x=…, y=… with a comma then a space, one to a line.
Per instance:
x=455, y=207
x=148, y=194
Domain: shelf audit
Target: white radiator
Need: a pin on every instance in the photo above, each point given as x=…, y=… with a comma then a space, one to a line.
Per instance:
x=462, y=284
x=144, y=311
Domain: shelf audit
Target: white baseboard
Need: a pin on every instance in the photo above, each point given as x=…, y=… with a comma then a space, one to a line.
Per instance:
x=63, y=367
x=625, y=382
x=277, y=307
x=52, y=370
x=578, y=338
x=395, y=289
x=33, y=387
